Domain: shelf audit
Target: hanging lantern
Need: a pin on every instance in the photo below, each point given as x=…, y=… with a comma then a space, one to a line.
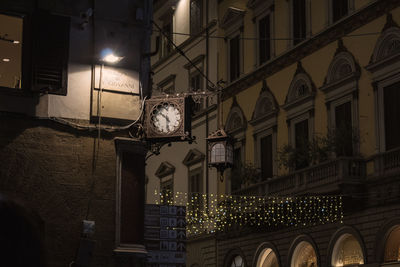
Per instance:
x=220, y=151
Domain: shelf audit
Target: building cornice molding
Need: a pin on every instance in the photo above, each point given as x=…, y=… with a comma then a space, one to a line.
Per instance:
x=316, y=42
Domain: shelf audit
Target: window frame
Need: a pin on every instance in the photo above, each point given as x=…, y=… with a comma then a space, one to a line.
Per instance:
x=232, y=23
x=237, y=34
x=25, y=81
x=262, y=9
x=385, y=70
x=167, y=85
x=238, y=134
x=264, y=124
x=329, y=11
x=201, y=17
x=307, y=23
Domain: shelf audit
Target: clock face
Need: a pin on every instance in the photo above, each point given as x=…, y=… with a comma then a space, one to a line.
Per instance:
x=166, y=118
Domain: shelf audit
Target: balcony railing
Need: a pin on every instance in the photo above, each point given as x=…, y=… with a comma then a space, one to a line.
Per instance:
x=321, y=178
x=387, y=162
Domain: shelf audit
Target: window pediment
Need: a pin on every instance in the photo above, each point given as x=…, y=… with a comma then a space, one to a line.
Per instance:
x=236, y=120
x=192, y=157
x=386, y=53
x=343, y=72
x=165, y=169
x=260, y=6
x=301, y=89
x=266, y=106
x=231, y=17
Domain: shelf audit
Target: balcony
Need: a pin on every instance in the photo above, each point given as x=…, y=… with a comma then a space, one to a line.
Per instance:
x=334, y=176
x=387, y=163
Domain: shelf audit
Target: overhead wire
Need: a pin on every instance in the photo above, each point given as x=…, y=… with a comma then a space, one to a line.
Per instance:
x=257, y=38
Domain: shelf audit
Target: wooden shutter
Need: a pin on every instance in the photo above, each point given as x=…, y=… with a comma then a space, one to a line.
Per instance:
x=264, y=42
x=344, y=130
x=301, y=143
x=234, y=47
x=50, y=53
x=392, y=115
x=266, y=157
x=299, y=21
x=339, y=9
x=195, y=16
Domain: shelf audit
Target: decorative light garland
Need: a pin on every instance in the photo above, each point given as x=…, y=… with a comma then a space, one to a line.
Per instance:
x=225, y=212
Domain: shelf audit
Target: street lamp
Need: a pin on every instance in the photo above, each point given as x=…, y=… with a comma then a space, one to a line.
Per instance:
x=220, y=151
x=108, y=56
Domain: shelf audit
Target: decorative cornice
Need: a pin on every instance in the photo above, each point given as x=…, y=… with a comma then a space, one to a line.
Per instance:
x=316, y=42
x=195, y=61
x=164, y=169
x=231, y=15
x=192, y=157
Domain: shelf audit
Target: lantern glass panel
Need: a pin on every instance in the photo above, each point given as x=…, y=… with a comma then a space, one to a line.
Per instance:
x=218, y=153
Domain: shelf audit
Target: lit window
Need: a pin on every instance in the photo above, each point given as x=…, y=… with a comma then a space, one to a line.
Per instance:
x=347, y=251
x=392, y=248
x=304, y=256
x=267, y=259
x=10, y=51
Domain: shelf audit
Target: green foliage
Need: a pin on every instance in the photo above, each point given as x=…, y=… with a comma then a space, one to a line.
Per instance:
x=244, y=175
x=337, y=142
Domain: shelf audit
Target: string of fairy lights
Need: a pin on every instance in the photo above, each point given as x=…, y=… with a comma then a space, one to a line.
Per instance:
x=225, y=212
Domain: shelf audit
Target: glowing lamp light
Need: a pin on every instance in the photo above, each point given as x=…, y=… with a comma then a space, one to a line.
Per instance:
x=220, y=151
x=6, y=59
x=15, y=42
x=108, y=56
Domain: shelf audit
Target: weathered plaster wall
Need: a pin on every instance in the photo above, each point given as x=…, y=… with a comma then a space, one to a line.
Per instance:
x=53, y=169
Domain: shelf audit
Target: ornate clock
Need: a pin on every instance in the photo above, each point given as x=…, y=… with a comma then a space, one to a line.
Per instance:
x=167, y=118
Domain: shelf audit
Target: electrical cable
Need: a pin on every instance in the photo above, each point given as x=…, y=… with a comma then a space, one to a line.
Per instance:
x=261, y=39
x=180, y=51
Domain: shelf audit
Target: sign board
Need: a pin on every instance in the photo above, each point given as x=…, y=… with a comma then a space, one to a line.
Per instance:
x=165, y=235
x=117, y=79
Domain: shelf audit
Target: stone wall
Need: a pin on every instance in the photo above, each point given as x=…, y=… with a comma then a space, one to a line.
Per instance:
x=64, y=175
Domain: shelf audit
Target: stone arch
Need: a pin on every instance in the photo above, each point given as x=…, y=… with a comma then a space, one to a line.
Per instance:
x=339, y=236
x=236, y=120
x=299, y=241
x=262, y=249
x=382, y=237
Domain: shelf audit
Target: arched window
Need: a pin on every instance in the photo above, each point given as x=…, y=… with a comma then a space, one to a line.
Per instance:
x=347, y=251
x=304, y=255
x=236, y=125
x=267, y=258
x=341, y=98
x=392, y=247
x=264, y=122
x=299, y=106
x=237, y=261
x=386, y=81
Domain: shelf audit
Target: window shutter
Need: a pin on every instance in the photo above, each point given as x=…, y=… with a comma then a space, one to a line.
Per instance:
x=392, y=114
x=299, y=21
x=264, y=42
x=50, y=54
x=266, y=157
